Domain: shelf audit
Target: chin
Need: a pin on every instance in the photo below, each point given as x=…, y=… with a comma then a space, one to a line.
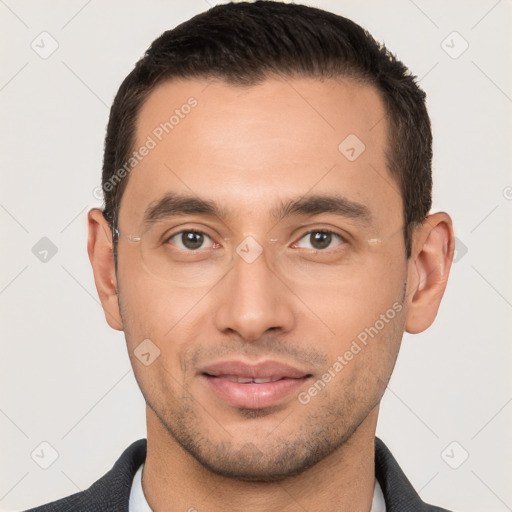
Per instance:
x=250, y=467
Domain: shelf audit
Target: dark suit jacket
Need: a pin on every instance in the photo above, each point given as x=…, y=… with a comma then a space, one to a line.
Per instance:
x=111, y=492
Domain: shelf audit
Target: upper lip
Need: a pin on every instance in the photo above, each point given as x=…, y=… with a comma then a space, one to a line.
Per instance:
x=261, y=370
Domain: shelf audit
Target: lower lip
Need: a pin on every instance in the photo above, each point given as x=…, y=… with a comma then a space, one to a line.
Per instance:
x=252, y=395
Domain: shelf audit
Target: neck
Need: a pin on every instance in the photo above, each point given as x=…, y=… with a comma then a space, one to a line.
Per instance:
x=342, y=481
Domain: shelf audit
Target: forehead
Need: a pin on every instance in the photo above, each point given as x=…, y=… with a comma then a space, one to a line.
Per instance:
x=248, y=148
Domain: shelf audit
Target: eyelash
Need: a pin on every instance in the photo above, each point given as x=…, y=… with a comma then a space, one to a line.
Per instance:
x=196, y=231
x=342, y=239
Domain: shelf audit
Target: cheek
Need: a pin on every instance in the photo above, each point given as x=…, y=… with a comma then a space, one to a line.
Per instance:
x=364, y=352
x=150, y=306
x=170, y=319
x=150, y=310
x=169, y=316
x=358, y=296
x=365, y=316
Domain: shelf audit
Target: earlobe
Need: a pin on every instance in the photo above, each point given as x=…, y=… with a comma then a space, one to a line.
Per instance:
x=101, y=255
x=429, y=267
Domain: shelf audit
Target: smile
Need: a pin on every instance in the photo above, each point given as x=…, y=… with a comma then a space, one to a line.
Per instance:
x=247, y=380
x=253, y=386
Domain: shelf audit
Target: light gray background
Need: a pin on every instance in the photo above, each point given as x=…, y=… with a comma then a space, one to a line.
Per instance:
x=65, y=376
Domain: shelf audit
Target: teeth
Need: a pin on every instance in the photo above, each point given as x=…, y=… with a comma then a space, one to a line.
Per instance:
x=233, y=378
x=247, y=380
x=243, y=380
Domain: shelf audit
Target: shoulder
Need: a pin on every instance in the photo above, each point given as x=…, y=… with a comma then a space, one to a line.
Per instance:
x=108, y=494
x=399, y=493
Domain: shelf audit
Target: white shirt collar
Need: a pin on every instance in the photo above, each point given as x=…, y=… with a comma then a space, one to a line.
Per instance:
x=138, y=502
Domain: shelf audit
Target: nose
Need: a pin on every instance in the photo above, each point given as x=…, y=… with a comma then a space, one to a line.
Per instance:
x=252, y=300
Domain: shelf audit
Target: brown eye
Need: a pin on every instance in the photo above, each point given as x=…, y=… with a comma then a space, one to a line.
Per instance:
x=320, y=240
x=191, y=240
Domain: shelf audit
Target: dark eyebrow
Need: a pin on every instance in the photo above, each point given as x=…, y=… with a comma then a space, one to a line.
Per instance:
x=172, y=205
x=318, y=204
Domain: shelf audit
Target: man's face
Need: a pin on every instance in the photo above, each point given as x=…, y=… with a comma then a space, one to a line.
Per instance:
x=328, y=280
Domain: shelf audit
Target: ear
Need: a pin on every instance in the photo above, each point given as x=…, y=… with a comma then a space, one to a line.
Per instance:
x=101, y=254
x=429, y=267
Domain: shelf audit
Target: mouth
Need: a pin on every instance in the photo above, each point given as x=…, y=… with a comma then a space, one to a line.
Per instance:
x=247, y=380
x=253, y=386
